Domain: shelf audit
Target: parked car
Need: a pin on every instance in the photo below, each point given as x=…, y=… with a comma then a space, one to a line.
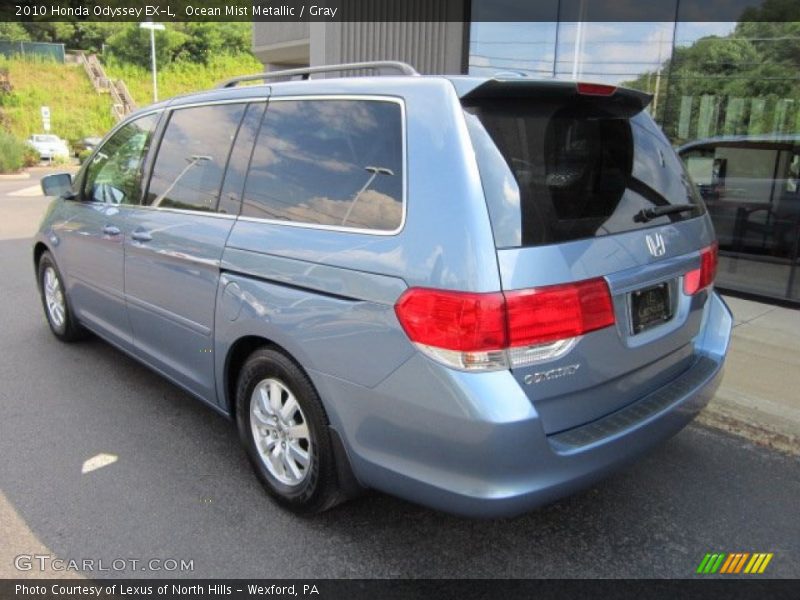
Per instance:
x=86, y=145
x=48, y=146
x=751, y=186
x=477, y=294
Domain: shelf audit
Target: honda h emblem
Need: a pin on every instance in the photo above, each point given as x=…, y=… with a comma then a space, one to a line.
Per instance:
x=655, y=244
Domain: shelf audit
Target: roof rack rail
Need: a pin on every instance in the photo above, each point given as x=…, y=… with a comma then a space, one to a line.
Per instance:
x=305, y=72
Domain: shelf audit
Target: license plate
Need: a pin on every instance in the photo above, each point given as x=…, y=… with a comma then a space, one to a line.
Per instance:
x=650, y=306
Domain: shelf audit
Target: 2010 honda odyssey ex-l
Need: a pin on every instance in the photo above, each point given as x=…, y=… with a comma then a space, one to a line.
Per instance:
x=476, y=294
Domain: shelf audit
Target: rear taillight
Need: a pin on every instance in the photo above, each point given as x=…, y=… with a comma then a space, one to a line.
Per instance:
x=501, y=330
x=699, y=279
x=453, y=320
x=558, y=312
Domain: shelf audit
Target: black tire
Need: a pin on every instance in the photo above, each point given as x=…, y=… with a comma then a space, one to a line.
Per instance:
x=68, y=330
x=319, y=490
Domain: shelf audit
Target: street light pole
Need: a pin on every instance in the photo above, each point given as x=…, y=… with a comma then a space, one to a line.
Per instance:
x=375, y=171
x=152, y=27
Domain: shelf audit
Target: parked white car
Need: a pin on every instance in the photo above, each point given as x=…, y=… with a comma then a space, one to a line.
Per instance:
x=48, y=145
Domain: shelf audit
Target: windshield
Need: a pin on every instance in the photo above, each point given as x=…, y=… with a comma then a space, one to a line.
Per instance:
x=555, y=172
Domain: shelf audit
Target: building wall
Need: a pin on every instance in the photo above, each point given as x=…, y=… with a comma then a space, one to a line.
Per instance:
x=430, y=47
x=430, y=36
x=281, y=44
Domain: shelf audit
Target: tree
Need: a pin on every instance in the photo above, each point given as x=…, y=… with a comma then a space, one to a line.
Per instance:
x=745, y=82
x=59, y=32
x=13, y=32
x=132, y=44
x=194, y=42
x=207, y=39
x=91, y=35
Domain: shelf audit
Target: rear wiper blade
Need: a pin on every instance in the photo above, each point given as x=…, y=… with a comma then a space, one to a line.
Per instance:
x=648, y=214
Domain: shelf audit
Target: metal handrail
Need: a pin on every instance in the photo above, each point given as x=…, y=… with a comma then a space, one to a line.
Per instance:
x=403, y=68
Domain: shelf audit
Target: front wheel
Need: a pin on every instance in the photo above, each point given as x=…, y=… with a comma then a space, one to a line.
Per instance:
x=55, y=302
x=284, y=429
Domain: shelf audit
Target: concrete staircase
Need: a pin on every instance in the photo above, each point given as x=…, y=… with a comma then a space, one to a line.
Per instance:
x=122, y=101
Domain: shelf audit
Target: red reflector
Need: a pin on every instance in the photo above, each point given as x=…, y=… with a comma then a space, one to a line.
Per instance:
x=469, y=322
x=596, y=89
x=699, y=279
x=558, y=312
x=453, y=320
x=691, y=282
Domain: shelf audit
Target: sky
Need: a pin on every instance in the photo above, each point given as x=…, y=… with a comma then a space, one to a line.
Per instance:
x=609, y=53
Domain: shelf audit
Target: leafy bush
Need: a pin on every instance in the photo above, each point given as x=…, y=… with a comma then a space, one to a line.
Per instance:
x=30, y=157
x=12, y=153
x=60, y=160
x=83, y=155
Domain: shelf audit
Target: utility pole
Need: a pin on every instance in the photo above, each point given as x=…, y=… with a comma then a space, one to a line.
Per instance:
x=375, y=171
x=152, y=27
x=658, y=74
x=576, y=59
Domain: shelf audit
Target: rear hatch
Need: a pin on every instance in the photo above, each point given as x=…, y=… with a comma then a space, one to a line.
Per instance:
x=604, y=252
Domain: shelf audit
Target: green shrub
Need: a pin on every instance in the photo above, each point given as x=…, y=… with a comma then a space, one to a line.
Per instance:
x=83, y=155
x=30, y=157
x=61, y=160
x=12, y=153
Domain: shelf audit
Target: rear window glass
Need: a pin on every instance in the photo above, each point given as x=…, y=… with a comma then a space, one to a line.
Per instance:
x=328, y=162
x=555, y=172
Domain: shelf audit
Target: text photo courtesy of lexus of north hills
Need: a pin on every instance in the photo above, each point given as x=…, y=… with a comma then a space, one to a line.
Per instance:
x=394, y=299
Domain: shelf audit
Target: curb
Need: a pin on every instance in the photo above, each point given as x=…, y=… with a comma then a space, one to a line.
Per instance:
x=14, y=176
x=751, y=430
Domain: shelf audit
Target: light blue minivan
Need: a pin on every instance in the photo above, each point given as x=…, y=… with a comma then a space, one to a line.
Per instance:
x=476, y=294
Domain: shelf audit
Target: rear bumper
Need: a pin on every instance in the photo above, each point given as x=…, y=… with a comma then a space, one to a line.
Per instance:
x=473, y=444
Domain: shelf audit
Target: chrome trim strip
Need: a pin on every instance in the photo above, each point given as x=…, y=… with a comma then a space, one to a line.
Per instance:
x=403, y=125
x=181, y=211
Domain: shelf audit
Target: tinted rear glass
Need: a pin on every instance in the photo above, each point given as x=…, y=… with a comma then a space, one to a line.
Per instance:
x=328, y=162
x=555, y=172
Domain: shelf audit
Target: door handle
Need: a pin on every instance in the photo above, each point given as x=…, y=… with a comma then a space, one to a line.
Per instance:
x=142, y=236
x=111, y=230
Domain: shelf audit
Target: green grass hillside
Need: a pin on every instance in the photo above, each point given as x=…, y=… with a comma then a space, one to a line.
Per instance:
x=181, y=77
x=76, y=110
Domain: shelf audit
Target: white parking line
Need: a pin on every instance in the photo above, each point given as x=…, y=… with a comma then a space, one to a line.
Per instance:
x=33, y=190
x=98, y=462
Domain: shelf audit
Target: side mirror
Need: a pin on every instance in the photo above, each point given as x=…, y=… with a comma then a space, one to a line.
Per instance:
x=58, y=184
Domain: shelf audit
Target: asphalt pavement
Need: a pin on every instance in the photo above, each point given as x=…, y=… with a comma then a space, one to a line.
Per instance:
x=180, y=487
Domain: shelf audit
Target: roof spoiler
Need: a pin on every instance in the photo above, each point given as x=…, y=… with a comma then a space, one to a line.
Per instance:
x=620, y=101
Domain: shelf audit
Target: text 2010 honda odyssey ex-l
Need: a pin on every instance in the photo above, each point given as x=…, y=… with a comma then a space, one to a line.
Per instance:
x=476, y=294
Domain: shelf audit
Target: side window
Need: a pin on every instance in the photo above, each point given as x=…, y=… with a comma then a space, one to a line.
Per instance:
x=328, y=162
x=114, y=174
x=191, y=159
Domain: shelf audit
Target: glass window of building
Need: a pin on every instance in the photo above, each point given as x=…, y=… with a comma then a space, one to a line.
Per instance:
x=726, y=94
